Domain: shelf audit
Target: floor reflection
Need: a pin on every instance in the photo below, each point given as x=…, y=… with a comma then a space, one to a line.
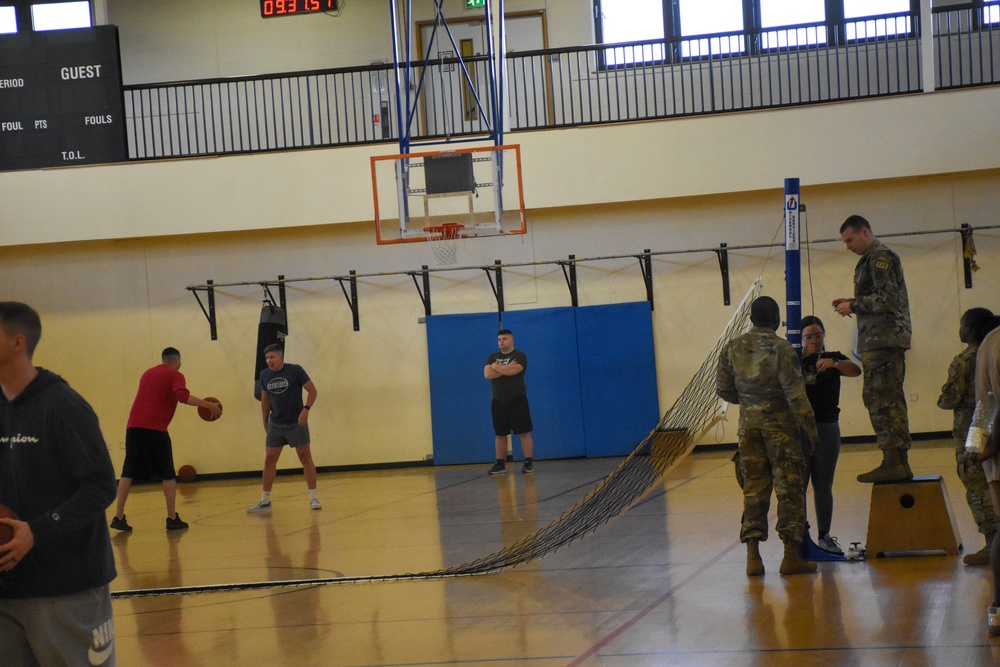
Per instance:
x=662, y=585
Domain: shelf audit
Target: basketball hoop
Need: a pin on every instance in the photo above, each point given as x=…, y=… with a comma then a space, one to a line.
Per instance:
x=416, y=194
x=444, y=241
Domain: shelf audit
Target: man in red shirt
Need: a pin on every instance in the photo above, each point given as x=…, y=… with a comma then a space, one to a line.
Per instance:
x=148, y=452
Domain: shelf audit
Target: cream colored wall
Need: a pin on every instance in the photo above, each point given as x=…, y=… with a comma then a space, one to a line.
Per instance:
x=189, y=196
x=837, y=143
x=109, y=307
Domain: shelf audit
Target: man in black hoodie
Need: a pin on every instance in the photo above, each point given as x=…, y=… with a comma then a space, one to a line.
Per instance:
x=56, y=475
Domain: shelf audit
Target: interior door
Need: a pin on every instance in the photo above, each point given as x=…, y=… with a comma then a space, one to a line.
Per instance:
x=454, y=100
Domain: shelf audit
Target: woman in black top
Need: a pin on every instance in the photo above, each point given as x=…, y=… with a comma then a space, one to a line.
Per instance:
x=821, y=371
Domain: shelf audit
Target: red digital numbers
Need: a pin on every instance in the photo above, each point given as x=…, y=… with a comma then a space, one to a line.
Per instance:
x=272, y=8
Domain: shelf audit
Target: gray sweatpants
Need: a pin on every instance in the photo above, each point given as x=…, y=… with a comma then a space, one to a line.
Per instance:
x=68, y=630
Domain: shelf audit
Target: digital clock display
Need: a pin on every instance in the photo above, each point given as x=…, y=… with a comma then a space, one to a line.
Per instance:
x=270, y=9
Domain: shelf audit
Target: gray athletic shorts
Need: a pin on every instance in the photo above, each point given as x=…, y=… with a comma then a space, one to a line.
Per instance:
x=69, y=630
x=293, y=435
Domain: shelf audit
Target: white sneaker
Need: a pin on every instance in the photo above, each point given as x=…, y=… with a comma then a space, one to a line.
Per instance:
x=830, y=545
x=315, y=504
x=261, y=506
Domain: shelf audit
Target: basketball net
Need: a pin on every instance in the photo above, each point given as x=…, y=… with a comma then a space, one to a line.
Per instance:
x=444, y=242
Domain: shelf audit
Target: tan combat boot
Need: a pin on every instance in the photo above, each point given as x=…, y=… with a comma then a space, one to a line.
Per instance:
x=755, y=565
x=793, y=563
x=891, y=469
x=981, y=557
x=904, y=458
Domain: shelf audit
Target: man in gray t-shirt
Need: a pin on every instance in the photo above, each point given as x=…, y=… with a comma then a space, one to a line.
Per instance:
x=286, y=421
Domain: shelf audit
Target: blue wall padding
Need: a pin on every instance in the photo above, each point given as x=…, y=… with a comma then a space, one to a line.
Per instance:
x=620, y=403
x=548, y=337
x=600, y=416
x=457, y=346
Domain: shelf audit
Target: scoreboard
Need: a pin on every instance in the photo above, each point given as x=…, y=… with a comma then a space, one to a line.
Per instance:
x=61, y=99
x=270, y=9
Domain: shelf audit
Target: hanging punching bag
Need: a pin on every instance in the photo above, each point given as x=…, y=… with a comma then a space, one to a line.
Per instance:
x=272, y=329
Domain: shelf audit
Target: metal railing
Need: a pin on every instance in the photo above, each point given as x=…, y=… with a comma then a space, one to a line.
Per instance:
x=255, y=114
x=967, y=46
x=708, y=74
x=736, y=71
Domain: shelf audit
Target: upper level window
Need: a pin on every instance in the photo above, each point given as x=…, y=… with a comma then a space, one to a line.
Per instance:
x=44, y=15
x=8, y=20
x=704, y=17
x=788, y=13
x=61, y=15
x=714, y=27
x=631, y=21
x=875, y=27
x=991, y=13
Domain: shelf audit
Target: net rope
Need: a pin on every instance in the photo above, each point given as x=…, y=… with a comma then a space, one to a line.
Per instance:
x=695, y=411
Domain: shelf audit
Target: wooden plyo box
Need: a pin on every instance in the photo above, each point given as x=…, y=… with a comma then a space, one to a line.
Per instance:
x=911, y=516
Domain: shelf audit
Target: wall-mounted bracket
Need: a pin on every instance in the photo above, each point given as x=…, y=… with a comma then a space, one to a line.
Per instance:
x=352, y=298
x=723, y=253
x=570, y=275
x=425, y=293
x=496, y=282
x=646, y=267
x=209, y=288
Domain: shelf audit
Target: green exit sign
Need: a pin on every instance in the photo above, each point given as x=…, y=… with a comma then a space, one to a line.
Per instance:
x=471, y=4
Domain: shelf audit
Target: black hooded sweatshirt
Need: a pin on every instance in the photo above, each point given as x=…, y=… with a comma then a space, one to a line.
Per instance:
x=56, y=474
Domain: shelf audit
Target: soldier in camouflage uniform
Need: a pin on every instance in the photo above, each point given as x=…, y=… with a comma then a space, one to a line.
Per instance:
x=987, y=391
x=761, y=372
x=883, y=309
x=959, y=394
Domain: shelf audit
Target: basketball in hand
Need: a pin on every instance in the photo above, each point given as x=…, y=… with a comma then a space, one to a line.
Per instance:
x=205, y=413
x=6, y=532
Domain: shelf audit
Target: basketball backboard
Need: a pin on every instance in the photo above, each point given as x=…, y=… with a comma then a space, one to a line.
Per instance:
x=474, y=191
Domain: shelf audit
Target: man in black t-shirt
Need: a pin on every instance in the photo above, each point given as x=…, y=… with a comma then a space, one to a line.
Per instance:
x=505, y=371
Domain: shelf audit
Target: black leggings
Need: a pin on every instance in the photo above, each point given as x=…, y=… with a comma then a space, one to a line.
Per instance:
x=820, y=469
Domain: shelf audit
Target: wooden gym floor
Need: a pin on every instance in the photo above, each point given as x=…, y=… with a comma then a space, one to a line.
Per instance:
x=663, y=585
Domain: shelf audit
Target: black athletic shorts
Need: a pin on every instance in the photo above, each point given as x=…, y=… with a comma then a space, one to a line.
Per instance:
x=513, y=417
x=148, y=454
